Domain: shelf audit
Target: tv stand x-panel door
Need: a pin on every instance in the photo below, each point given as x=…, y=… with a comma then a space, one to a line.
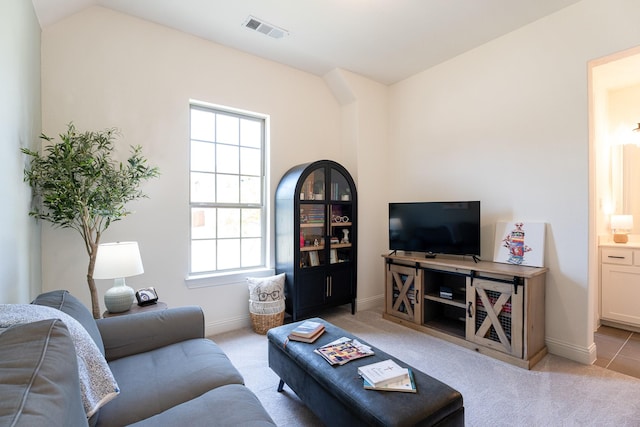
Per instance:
x=495, y=315
x=404, y=286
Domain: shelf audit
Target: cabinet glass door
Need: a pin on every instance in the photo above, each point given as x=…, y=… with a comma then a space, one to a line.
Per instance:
x=313, y=187
x=340, y=233
x=312, y=232
x=340, y=189
x=341, y=225
x=313, y=220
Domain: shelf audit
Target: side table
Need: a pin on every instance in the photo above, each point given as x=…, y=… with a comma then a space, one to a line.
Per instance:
x=135, y=308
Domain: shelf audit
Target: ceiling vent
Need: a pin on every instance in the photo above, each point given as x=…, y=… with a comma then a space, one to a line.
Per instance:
x=260, y=26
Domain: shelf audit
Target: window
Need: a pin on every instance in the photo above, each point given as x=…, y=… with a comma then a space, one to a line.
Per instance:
x=227, y=191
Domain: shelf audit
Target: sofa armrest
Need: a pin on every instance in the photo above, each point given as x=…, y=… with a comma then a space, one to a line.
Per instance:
x=137, y=333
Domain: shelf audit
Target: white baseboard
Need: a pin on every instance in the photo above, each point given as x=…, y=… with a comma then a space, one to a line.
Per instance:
x=371, y=303
x=239, y=322
x=226, y=325
x=578, y=354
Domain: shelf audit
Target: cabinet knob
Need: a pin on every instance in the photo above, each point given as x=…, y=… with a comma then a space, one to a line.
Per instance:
x=470, y=309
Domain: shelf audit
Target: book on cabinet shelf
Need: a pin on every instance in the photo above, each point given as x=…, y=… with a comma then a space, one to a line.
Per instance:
x=314, y=260
x=406, y=384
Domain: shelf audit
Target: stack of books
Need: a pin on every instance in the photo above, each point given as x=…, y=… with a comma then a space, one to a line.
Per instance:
x=315, y=214
x=387, y=376
x=308, y=331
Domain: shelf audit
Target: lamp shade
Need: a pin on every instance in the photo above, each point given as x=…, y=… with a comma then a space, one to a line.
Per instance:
x=115, y=260
x=622, y=223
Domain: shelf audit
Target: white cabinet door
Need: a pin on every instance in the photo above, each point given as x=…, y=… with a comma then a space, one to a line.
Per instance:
x=621, y=293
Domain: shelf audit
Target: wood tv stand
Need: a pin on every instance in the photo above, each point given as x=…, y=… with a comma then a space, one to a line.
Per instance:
x=495, y=309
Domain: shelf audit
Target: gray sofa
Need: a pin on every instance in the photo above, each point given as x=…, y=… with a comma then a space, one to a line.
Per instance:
x=167, y=373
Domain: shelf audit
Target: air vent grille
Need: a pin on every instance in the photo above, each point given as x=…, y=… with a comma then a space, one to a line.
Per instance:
x=252, y=24
x=260, y=26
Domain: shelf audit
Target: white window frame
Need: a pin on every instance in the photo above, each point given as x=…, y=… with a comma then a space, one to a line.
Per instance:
x=238, y=275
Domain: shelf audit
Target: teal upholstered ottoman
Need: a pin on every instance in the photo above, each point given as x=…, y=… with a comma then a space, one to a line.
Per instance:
x=336, y=395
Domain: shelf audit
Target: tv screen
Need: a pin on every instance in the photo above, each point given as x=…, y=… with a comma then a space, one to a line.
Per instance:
x=435, y=227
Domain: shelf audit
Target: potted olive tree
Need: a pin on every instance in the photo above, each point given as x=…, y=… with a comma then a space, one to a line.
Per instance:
x=78, y=185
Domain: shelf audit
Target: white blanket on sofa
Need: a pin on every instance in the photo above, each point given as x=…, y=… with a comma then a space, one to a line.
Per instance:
x=97, y=384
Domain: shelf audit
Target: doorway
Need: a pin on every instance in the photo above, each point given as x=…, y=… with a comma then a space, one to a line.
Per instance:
x=614, y=91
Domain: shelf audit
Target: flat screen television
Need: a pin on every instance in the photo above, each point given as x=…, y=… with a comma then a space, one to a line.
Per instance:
x=451, y=228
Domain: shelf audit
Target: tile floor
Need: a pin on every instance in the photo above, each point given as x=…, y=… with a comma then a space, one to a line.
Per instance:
x=618, y=350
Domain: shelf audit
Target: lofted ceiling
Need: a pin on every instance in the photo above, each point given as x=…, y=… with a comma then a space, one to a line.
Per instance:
x=385, y=40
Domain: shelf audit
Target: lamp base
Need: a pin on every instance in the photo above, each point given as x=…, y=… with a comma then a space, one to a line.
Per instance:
x=621, y=238
x=118, y=298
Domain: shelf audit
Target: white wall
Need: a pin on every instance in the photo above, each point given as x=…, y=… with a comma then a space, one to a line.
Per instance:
x=19, y=128
x=104, y=69
x=507, y=123
x=365, y=112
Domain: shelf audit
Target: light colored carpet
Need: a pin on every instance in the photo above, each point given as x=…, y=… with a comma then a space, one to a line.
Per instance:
x=556, y=392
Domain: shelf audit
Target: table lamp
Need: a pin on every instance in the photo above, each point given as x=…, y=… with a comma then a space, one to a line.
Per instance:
x=621, y=226
x=117, y=261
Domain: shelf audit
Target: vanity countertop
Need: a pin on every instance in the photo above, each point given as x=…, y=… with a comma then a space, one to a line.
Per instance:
x=633, y=243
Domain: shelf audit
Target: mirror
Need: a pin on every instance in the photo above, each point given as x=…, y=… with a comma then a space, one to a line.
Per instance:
x=622, y=116
x=625, y=181
x=631, y=183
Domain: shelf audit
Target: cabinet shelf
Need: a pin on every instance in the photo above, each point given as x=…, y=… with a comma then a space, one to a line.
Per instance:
x=321, y=248
x=340, y=245
x=441, y=300
x=450, y=326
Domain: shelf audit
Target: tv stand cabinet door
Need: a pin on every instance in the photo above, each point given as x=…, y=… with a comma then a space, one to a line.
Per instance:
x=404, y=292
x=495, y=316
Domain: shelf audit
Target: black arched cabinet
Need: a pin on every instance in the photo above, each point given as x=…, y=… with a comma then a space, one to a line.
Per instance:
x=316, y=237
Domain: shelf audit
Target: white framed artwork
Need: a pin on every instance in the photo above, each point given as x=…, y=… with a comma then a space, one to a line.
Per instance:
x=519, y=243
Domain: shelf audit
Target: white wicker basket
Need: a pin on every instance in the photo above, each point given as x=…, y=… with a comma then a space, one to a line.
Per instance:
x=266, y=307
x=266, y=315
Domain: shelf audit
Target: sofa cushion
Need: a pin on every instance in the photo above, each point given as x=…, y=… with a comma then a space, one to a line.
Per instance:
x=67, y=303
x=127, y=335
x=154, y=381
x=39, y=376
x=231, y=405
